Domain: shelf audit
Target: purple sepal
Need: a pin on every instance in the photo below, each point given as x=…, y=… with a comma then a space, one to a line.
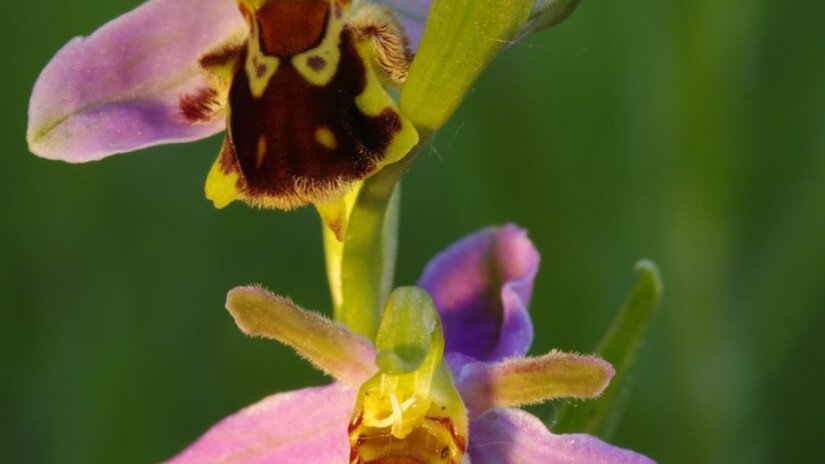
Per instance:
x=482, y=286
x=512, y=436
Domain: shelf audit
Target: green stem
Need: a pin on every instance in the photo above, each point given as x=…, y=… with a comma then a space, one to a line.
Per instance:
x=333, y=252
x=361, y=269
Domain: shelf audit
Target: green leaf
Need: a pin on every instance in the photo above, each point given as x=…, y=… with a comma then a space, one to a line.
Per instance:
x=621, y=346
x=548, y=13
x=459, y=41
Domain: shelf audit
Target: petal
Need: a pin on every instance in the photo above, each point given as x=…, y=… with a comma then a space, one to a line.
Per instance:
x=522, y=381
x=511, y=436
x=329, y=346
x=413, y=16
x=118, y=90
x=482, y=285
x=297, y=427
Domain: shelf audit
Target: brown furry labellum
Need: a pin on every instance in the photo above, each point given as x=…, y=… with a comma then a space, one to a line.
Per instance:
x=299, y=128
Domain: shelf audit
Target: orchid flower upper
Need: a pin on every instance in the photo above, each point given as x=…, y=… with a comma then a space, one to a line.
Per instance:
x=399, y=400
x=298, y=86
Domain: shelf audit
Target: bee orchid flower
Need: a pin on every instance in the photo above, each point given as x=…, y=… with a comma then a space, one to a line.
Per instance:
x=440, y=384
x=298, y=87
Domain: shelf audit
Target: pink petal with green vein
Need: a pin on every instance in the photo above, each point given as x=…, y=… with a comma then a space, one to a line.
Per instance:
x=118, y=89
x=482, y=286
x=299, y=427
x=511, y=436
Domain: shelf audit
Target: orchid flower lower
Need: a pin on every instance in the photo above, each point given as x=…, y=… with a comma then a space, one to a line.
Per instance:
x=402, y=399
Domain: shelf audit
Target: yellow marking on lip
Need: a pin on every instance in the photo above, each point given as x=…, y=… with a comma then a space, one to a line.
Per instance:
x=259, y=67
x=221, y=184
x=259, y=155
x=373, y=101
x=328, y=50
x=326, y=138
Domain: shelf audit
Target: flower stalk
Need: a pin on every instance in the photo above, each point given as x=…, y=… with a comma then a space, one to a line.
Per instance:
x=361, y=268
x=461, y=38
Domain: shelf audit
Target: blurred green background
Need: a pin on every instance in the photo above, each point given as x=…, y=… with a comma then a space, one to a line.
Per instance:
x=691, y=133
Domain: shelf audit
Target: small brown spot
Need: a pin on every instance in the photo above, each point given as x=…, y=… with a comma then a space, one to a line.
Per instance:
x=445, y=452
x=200, y=107
x=260, y=68
x=317, y=63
